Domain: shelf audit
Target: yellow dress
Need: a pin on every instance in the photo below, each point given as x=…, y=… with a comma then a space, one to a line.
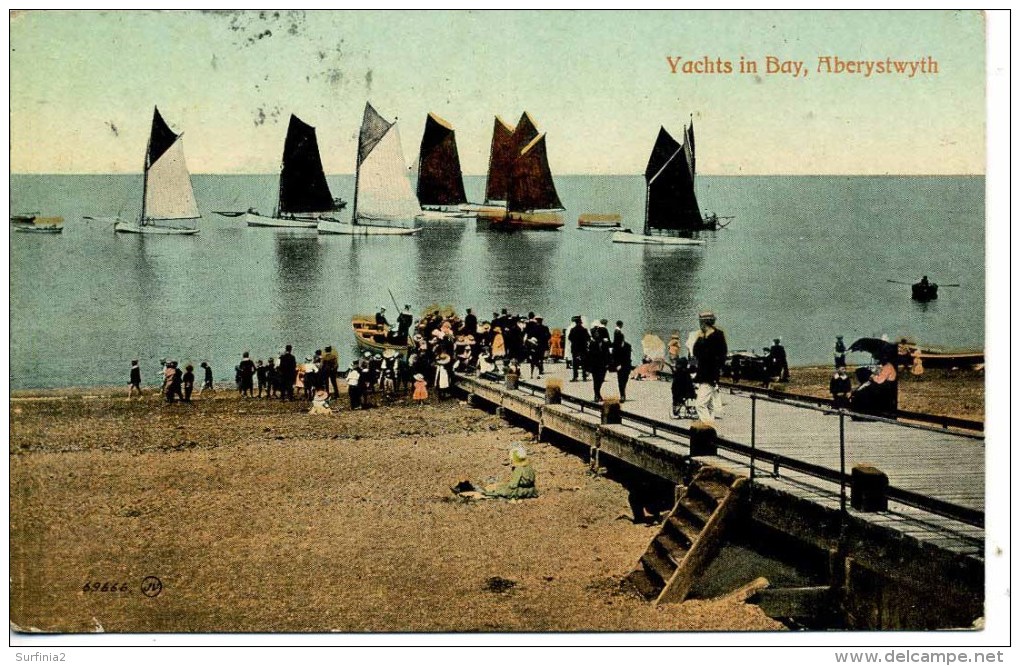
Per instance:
x=421, y=391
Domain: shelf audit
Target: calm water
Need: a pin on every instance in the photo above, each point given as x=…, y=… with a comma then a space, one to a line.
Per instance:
x=806, y=258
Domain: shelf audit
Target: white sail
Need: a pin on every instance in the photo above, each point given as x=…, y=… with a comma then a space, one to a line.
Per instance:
x=168, y=193
x=384, y=190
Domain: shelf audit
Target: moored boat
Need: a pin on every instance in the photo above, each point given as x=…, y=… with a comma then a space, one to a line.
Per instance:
x=304, y=195
x=672, y=213
x=373, y=338
x=440, y=187
x=924, y=290
x=36, y=224
x=599, y=221
x=627, y=236
x=167, y=195
x=531, y=198
x=384, y=203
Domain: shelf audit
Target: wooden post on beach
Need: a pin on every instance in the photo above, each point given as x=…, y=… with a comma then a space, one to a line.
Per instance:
x=553, y=392
x=868, y=487
x=703, y=439
x=511, y=380
x=611, y=411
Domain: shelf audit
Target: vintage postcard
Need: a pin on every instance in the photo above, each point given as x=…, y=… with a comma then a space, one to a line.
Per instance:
x=642, y=325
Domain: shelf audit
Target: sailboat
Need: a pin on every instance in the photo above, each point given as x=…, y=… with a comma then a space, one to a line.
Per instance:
x=166, y=190
x=440, y=181
x=383, y=201
x=304, y=194
x=519, y=189
x=671, y=205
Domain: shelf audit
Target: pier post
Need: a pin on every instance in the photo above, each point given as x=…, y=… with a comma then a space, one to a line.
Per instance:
x=611, y=411
x=868, y=487
x=553, y=392
x=511, y=380
x=703, y=439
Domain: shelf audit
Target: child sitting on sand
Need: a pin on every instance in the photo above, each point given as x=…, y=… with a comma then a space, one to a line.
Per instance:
x=320, y=403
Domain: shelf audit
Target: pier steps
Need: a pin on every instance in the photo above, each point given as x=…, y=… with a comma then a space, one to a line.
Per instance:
x=689, y=538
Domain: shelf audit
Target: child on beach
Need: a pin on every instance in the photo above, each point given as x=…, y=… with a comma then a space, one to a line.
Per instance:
x=421, y=390
x=135, y=383
x=189, y=381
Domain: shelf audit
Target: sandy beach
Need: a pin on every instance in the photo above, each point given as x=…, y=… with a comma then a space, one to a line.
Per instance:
x=256, y=516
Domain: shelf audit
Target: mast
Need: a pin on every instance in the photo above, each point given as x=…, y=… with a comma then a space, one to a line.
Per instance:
x=145, y=178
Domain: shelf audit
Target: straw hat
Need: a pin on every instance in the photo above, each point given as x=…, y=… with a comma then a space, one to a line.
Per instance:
x=518, y=455
x=389, y=353
x=443, y=359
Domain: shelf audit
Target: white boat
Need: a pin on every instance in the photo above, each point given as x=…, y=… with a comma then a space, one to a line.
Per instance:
x=348, y=229
x=384, y=203
x=256, y=220
x=304, y=195
x=642, y=239
x=167, y=195
x=671, y=205
x=440, y=214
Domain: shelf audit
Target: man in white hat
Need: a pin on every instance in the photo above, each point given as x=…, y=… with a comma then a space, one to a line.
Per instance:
x=710, y=352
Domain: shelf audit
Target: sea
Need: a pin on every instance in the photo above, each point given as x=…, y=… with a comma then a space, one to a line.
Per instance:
x=804, y=258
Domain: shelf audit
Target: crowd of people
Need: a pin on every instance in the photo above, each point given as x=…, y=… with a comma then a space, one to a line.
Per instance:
x=443, y=345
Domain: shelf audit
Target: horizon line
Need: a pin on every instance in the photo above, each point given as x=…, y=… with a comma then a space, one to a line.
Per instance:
x=474, y=175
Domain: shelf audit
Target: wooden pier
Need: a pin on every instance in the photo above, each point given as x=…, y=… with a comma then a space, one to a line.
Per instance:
x=927, y=546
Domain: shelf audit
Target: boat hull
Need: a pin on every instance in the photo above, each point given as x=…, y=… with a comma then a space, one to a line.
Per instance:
x=39, y=230
x=540, y=221
x=371, y=338
x=35, y=224
x=924, y=292
x=599, y=222
x=444, y=215
x=255, y=220
x=641, y=239
x=123, y=227
x=362, y=229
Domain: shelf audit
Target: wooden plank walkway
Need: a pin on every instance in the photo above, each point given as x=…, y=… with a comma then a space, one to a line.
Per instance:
x=933, y=462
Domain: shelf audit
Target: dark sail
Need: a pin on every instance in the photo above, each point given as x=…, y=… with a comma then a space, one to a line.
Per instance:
x=524, y=133
x=671, y=201
x=160, y=139
x=440, y=181
x=373, y=129
x=531, y=184
x=665, y=147
x=303, y=187
x=500, y=156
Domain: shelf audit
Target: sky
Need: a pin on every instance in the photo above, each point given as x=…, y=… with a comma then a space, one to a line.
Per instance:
x=599, y=83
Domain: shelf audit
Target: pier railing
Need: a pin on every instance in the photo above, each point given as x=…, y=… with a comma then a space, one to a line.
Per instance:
x=777, y=462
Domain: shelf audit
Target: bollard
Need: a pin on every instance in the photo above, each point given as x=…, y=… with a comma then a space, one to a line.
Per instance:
x=611, y=411
x=703, y=439
x=868, y=486
x=511, y=380
x=553, y=392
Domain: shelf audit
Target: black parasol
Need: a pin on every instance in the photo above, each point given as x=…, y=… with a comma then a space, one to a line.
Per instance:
x=877, y=347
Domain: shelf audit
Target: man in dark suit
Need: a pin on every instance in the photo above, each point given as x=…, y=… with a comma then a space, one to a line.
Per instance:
x=288, y=373
x=618, y=340
x=598, y=357
x=470, y=326
x=579, y=339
